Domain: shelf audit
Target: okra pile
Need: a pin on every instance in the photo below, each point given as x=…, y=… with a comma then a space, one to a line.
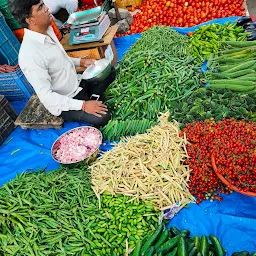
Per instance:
x=155, y=72
x=148, y=82
x=57, y=213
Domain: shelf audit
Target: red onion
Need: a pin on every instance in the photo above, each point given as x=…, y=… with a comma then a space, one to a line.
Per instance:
x=76, y=145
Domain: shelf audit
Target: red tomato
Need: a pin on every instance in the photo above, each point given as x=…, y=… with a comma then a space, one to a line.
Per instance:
x=183, y=12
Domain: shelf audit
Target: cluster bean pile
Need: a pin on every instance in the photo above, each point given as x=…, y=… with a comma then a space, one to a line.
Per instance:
x=232, y=143
x=57, y=213
x=163, y=39
x=149, y=166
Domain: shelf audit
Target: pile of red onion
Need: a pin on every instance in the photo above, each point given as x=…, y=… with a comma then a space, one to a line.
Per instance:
x=76, y=145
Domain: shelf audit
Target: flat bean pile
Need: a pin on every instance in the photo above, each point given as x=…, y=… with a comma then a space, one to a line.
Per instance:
x=162, y=39
x=148, y=166
x=148, y=82
x=57, y=213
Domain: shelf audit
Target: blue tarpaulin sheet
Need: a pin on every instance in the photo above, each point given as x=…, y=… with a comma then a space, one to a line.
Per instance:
x=233, y=220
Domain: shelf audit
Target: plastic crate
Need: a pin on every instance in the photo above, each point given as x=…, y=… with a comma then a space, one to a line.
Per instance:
x=10, y=20
x=126, y=4
x=15, y=86
x=7, y=118
x=9, y=44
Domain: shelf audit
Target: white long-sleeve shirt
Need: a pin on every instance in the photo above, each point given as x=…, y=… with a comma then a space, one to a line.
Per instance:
x=50, y=71
x=55, y=5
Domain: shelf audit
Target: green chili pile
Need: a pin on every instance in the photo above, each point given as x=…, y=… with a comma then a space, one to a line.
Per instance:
x=206, y=39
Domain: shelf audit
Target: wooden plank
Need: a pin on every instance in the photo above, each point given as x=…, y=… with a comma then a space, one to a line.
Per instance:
x=108, y=37
x=36, y=116
x=85, y=54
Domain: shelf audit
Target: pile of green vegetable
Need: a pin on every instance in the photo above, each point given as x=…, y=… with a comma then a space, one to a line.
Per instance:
x=162, y=39
x=206, y=103
x=171, y=242
x=154, y=73
x=243, y=253
x=57, y=213
x=206, y=39
x=148, y=82
x=236, y=68
x=115, y=129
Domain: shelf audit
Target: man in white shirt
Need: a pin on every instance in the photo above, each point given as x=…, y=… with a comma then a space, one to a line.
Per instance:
x=52, y=72
x=55, y=5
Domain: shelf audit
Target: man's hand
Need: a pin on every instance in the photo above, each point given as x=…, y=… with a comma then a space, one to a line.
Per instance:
x=95, y=107
x=6, y=68
x=86, y=62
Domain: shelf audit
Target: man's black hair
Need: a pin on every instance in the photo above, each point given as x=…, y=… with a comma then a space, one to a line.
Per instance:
x=22, y=9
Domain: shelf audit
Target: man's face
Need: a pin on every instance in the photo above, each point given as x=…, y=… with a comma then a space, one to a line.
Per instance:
x=41, y=15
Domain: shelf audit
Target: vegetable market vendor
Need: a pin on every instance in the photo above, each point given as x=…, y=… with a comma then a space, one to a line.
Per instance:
x=52, y=72
x=55, y=6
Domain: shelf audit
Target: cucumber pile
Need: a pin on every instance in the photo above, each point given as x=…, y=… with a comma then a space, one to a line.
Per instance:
x=243, y=253
x=236, y=68
x=171, y=242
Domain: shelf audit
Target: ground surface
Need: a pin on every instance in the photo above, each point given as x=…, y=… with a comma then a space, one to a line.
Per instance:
x=251, y=4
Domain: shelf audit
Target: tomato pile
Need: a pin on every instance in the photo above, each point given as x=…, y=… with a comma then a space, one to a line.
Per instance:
x=182, y=13
x=233, y=144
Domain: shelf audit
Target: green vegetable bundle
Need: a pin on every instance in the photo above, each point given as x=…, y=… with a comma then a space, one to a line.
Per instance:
x=236, y=68
x=162, y=39
x=171, y=242
x=114, y=130
x=148, y=82
x=206, y=103
x=243, y=253
x=57, y=213
x=206, y=39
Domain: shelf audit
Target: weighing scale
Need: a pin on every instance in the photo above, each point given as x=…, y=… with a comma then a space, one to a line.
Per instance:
x=88, y=26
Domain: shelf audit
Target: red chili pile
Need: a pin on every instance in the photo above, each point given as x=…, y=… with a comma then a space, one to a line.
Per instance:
x=233, y=144
x=182, y=13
